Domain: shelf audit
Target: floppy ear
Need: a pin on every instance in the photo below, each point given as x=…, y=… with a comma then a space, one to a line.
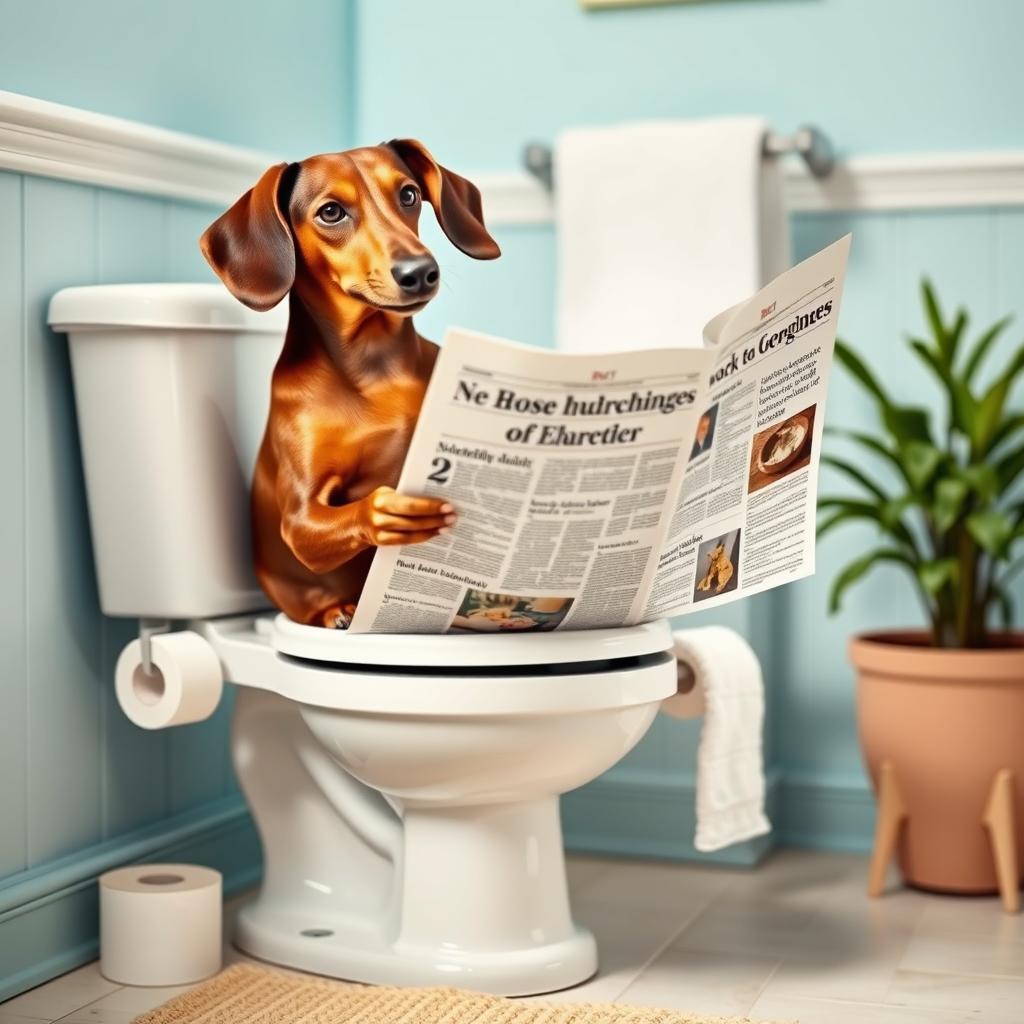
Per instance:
x=250, y=246
x=456, y=201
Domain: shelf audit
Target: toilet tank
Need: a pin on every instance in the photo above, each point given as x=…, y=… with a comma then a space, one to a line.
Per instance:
x=172, y=385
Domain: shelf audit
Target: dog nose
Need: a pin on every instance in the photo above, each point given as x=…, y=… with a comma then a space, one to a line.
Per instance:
x=416, y=275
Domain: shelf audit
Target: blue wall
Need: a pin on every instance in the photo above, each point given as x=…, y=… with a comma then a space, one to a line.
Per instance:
x=270, y=76
x=81, y=788
x=879, y=77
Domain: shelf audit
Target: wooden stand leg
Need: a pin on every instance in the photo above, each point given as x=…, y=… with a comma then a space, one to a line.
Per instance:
x=999, y=820
x=892, y=812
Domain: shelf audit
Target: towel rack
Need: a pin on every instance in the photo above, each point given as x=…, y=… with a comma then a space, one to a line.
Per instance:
x=810, y=142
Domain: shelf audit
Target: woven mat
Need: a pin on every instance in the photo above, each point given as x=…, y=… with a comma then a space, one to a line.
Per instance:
x=254, y=995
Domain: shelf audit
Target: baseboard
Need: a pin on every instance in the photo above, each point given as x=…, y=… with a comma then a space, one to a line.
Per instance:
x=49, y=916
x=633, y=813
x=826, y=814
x=646, y=814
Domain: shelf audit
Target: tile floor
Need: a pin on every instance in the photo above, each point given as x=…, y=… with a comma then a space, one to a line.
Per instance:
x=795, y=940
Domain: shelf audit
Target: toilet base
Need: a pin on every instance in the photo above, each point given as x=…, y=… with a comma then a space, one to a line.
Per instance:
x=348, y=950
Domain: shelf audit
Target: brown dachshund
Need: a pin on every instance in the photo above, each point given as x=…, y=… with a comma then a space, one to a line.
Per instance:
x=340, y=233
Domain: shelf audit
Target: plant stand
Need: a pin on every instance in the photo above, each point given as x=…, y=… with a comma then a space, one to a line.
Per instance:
x=998, y=818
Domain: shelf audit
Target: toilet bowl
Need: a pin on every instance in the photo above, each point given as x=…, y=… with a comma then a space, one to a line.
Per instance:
x=406, y=793
x=405, y=788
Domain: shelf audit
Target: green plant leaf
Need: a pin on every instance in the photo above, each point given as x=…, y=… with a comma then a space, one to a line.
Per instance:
x=981, y=348
x=992, y=529
x=1009, y=467
x=1006, y=429
x=982, y=479
x=908, y=423
x=950, y=493
x=935, y=574
x=990, y=408
x=877, y=513
x=956, y=332
x=856, y=366
x=872, y=444
x=891, y=515
x=855, y=474
x=920, y=461
x=837, y=519
x=936, y=322
x=858, y=568
x=962, y=404
x=905, y=423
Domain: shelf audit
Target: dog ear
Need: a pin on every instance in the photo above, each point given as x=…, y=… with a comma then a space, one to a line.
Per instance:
x=456, y=201
x=250, y=246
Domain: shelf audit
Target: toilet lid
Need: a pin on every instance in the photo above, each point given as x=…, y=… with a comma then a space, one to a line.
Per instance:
x=467, y=651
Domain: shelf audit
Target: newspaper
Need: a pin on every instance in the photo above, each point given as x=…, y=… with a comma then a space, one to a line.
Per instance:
x=607, y=490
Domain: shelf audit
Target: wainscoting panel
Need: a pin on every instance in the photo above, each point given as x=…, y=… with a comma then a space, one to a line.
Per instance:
x=13, y=692
x=80, y=786
x=65, y=645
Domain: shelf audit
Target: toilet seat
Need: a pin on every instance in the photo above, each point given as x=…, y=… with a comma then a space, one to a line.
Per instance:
x=486, y=650
x=404, y=674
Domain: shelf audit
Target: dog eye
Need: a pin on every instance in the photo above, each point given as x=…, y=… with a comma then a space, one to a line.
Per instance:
x=408, y=196
x=331, y=213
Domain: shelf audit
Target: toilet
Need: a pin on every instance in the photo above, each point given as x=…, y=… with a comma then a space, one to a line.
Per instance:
x=405, y=787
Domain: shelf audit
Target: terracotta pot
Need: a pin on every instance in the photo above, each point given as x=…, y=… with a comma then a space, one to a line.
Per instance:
x=948, y=721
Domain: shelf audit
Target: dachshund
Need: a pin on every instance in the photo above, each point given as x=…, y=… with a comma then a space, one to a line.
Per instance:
x=720, y=570
x=338, y=233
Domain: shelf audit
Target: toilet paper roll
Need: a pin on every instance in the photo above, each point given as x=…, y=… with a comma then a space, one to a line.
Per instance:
x=160, y=924
x=688, y=701
x=184, y=686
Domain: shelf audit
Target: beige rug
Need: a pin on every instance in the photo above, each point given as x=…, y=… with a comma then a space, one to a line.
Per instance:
x=254, y=995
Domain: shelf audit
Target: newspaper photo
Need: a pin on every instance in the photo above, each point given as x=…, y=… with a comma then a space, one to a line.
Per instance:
x=606, y=490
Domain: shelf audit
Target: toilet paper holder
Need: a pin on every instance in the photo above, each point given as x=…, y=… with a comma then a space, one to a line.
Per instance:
x=148, y=628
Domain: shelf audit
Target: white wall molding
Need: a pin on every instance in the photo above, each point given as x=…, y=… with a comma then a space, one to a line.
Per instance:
x=938, y=181
x=926, y=181
x=56, y=141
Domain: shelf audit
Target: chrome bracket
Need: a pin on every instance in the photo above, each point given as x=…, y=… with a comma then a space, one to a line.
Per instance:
x=148, y=628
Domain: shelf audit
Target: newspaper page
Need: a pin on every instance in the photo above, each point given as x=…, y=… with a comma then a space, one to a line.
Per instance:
x=610, y=489
x=744, y=515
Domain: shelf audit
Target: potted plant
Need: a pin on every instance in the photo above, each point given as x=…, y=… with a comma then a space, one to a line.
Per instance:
x=941, y=710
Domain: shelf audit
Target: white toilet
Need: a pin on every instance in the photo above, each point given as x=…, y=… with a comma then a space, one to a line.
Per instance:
x=405, y=787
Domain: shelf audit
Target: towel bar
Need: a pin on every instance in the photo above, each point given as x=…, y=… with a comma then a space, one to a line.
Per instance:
x=811, y=143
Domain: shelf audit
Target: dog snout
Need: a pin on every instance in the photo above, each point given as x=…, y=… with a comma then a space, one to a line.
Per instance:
x=416, y=275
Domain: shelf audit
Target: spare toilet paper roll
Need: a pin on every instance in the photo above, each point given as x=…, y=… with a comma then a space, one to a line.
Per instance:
x=688, y=701
x=160, y=924
x=184, y=686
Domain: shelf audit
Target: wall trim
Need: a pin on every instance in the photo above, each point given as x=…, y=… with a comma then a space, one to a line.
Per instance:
x=631, y=812
x=48, y=915
x=57, y=141
x=822, y=813
x=862, y=184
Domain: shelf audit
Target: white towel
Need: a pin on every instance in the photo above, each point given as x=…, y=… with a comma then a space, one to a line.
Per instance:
x=660, y=226
x=730, y=762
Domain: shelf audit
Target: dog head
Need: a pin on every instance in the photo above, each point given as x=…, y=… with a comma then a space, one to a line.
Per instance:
x=343, y=230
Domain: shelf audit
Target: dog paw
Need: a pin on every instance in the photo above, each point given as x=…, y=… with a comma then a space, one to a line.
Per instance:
x=337, y=618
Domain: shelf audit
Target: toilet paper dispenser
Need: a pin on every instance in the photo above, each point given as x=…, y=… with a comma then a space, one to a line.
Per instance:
x=167, y=678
